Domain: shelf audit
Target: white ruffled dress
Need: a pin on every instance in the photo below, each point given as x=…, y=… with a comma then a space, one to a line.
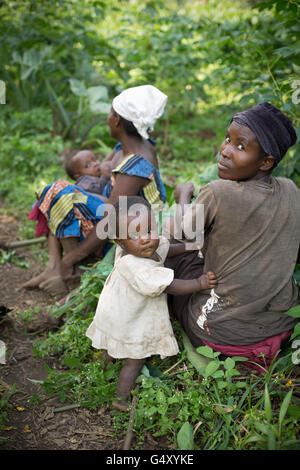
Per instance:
x=132, y=317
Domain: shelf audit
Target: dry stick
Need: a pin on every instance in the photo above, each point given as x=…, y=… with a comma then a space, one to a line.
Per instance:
x=67, y=407
x=129, y=434
x=32, y=241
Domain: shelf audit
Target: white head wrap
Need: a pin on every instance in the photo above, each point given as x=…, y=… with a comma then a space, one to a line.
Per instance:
x=141, y=105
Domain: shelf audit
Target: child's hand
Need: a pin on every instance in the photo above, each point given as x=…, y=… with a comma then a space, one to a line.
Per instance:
x=207, y=281
x=105, y=168
x=184, y=188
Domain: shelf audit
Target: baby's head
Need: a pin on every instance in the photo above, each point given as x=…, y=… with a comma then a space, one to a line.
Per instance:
x=256, y=141
x=83, y=163
x=136, y=228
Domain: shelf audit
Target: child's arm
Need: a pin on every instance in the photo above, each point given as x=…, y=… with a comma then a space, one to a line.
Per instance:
x=176, y=249
x=189, y=286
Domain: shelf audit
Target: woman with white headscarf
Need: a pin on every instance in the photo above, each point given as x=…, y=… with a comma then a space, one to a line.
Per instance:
x=72, y=214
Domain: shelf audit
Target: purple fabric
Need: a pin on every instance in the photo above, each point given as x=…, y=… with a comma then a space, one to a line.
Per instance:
x=262, y=352
x=36, y=214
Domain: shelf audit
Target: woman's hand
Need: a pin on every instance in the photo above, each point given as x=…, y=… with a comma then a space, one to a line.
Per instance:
x=185, y=190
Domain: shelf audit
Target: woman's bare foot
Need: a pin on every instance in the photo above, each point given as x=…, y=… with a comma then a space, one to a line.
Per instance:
x=37, y=280
x=120, y=404
x=54, y=286
x=208, y=280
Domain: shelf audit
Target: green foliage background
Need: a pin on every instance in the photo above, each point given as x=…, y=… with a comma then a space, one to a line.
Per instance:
x=62, y=62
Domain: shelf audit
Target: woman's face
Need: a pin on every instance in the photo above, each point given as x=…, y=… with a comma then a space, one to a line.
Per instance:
x=240, y=154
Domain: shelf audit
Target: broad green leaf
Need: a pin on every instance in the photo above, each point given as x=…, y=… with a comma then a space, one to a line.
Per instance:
x=198, y=360
x=211, y=368
x=154, y=371
x=218, y=374
x=97, y=93
x=232, y=373
x=222, y=384
x=100, y=107
x=229, y=363
x=145, y=371
x=294, y=312
x=78, y=87
x=206, y=351
x=185, y=438
x=296, y=331
x=293, y=411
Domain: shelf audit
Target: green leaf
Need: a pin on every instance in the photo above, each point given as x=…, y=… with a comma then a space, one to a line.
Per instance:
x=293, y=411
x=211, y=368
x=262, y=427
x=185, y=438
x=294, y=312
x=72, y=362
x=206, y=351
x=229, y=363
x=78, y=87
x=154, y=371
x=197, y=360
x=222, y=384
x=218, y=374
x=296, y=331
x=232, y=373
x=239, y=358
x=268, y=407
x=271, y=440
x=145, y=371
x=284, y=407
x=98, y=97
x=100, y=107
x=97, y=93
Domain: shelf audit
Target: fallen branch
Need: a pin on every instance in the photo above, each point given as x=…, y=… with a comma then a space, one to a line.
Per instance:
x=31, y=241
x=18, y=244
x=67, y=407
x=129, y=434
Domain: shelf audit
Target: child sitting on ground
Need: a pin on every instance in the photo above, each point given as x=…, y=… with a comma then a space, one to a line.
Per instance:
x=132, y=319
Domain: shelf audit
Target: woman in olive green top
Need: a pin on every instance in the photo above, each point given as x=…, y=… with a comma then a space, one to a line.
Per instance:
x=251, y=242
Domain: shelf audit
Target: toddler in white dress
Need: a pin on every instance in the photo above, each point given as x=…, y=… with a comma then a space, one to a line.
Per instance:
x=132, y=319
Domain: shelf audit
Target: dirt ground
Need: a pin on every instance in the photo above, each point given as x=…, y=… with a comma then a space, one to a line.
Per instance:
x=32, y=426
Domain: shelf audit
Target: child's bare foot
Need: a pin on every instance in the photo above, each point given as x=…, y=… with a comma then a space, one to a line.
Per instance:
x=208, y=280
x=120, y=404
